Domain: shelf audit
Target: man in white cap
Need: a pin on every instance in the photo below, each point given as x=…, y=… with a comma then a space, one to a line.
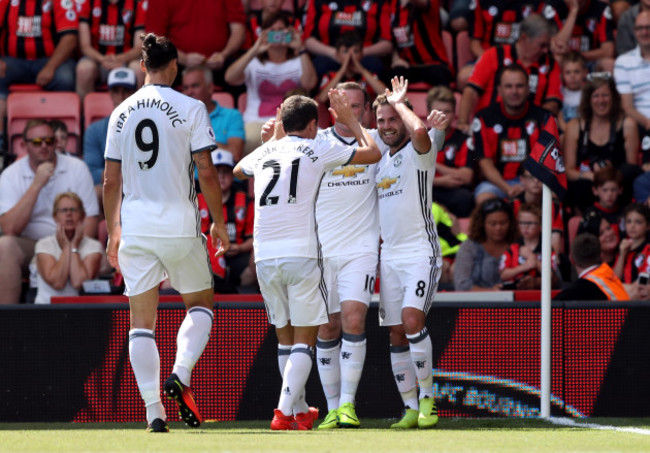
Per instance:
x=235, y=268
x=121, y=85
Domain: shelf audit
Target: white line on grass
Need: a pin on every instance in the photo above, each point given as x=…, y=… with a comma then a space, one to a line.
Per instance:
x=569, y=422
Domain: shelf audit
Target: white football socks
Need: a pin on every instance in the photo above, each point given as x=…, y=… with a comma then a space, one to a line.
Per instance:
x=192, y=337
x=404, y=374
x=145, y=361
x=422, y=357
x=300, y=405
x=353, y=356
x=295, y=376
x=327, y=361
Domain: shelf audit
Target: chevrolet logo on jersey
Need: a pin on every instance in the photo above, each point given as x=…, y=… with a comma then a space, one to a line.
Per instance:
x=386, y=183
x=349, y=171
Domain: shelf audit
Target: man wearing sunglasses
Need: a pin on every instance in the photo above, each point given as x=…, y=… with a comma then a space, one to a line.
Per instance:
x=27, y=191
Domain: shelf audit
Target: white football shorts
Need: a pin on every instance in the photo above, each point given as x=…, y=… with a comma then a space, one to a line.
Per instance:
x=350, y=278
x=293, y=289
x=147, y=261
x=407, y=283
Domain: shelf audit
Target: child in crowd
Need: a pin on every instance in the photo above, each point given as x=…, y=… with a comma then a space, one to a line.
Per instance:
x=634, y=249
x=60, y=136
x=521, y=264
x=532, y=194
x=349, y=51
x=607, y=188
x=574, y=74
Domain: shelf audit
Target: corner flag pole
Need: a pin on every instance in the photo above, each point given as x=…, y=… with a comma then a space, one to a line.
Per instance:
x=545, y=306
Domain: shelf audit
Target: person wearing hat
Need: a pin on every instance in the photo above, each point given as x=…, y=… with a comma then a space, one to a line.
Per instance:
x=121, y=84
x=235, y=268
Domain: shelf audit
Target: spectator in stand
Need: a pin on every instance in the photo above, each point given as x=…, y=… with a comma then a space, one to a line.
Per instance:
x=68, y=258
x=454, y=167
x=326, y=20
x=585, y=26
x=450, y=237
x=60, y=136
x=227, y=123
x=208, y=32
x=601, y=137
x=232, y=269
x=419, y=54
x=492, y=230
x=270, y=69
x=349, y=49
x=593, y=222
x=27, y=191
x=504, y=133
x=607, y=190
x=634, y=249
x=521, y=264
x=494, y=23
x=121, y=84
x=574, y=76
x=257, y=16
x=108, y=38
x=631, y=75
x=37, y=47
x=531, y=51
x=625, y=36
x=619, y=8
x=597, y=280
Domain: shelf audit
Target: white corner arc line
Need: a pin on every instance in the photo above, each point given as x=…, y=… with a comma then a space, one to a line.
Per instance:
x=563, y=421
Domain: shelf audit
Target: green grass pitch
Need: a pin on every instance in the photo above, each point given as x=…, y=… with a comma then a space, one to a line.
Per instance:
x=452, y=434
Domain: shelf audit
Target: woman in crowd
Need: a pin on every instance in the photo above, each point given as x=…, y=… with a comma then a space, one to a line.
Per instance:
x=68, y=258
x=492, y=230
x=276, y=64
x=601, y=136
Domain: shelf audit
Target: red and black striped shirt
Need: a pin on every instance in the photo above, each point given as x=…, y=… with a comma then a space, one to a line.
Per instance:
x=31, y=29
x=113, y=26
x=326, y=20
x=417, y=34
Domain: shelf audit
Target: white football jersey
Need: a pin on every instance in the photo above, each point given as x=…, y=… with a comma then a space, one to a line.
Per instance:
x=346, y=211
x=288, y=174
x=153, y=134
x=404, y=185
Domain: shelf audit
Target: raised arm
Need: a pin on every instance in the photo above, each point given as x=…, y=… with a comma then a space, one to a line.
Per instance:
x=414, y=125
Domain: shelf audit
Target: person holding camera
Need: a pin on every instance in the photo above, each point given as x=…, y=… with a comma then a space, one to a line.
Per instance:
x=602, y=136
x=276, y=64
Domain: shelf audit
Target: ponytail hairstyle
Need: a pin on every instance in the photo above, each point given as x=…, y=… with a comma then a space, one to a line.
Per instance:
x=157, y=51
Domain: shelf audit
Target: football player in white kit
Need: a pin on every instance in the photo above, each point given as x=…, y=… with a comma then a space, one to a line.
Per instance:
x=410, y=252
x=348, y=228
x=155, y=139
x=288, y=171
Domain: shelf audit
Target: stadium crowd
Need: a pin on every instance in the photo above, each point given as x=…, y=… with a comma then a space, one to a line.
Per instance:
x=502, y=71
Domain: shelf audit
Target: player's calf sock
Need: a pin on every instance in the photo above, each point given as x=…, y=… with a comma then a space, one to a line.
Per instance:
x=404, y=374
x=353, y=356
x=192, y=337
x=300, y=406
x=327, y=360
x=422, y=357
x=145, y=361
x=295, y=376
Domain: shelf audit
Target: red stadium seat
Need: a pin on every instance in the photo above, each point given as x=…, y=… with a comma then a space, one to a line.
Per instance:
x=448, y=40
x=22, y=87
x=224, y=99
x=24, y=106
x=241, y=103
x=419, y=101
x=97, y=105
x=324, y=117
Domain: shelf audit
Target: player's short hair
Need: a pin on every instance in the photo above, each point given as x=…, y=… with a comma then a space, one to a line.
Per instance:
x=585, y=249
x=440, y=93
x=350, y=86
x=383, y=100
x=536, y=25
x=157, y=51
x=31, y=124
x=608, y=174
x=297, y=112
x=512, y=67
x=74, y=197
